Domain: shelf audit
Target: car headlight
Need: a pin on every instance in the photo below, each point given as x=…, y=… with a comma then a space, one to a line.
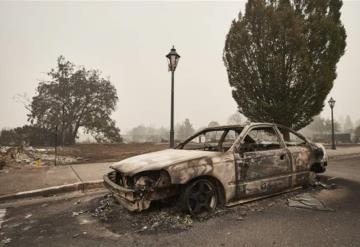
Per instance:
x=152, y=179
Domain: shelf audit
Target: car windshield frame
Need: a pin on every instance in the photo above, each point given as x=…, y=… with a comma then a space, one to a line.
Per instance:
x=299, y=135
x=225, y=130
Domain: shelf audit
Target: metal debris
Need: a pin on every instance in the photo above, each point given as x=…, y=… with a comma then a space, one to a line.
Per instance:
x=240, y=218
x=78, y=213
x=6, y=241
x=77, y=202
x=187, y=220
x=27, y=216
x=331, y=186
x=308, y=201
x=2, y=216
x=104, y=208
x=79, y=234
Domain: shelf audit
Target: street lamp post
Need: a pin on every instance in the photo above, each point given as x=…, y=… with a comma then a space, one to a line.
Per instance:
x=173, y=59
x=56, y=142
x=332, y=104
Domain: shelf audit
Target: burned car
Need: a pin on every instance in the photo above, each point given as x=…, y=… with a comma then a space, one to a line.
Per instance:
x=221, y=165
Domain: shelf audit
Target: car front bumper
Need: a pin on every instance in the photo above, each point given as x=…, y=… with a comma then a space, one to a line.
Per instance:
x=129, y=198
x=137, y=200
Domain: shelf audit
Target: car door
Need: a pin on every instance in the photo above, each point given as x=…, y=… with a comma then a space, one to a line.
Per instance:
x=263, y=164
x=300, y=151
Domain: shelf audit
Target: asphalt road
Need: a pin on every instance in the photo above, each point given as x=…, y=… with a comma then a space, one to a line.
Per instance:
x=94, y=220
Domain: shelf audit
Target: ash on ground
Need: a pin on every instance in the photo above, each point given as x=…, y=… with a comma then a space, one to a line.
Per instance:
x=167, y=217
x=27, y=155
x=161, y=217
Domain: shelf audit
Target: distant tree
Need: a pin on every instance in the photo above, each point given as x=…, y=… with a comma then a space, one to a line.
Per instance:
x=281, y=58
x=341, y=121
x=213, y=124
x=138, y=134
x=317, y=125
x=28, y=135
x=184, y=130
x=200, y=128
x=9, y=137
x=73, y=98
x=235, y=118
x=144, y=133
x=320, y=126
x=357, y=123
x=348, y=124
x=163, y=133
x=328, y=126
x=357, y=134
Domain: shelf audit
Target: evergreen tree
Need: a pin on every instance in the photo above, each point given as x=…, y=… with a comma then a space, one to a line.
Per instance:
x=281, y=58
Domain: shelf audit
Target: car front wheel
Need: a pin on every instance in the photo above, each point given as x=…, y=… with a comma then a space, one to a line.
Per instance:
x=200, y=197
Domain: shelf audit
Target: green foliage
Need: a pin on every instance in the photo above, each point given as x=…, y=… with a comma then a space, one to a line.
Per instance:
x=74, y=98
x=281, y=58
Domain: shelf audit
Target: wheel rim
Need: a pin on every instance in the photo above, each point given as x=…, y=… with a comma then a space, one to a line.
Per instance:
x=202, y=198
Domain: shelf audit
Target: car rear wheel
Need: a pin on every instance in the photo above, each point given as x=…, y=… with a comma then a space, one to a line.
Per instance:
x=200, y=197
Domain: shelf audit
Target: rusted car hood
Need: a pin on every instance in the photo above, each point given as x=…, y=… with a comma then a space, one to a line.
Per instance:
x=158, y=160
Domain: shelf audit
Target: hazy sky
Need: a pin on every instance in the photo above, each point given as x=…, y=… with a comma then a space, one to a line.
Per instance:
x=128, y=42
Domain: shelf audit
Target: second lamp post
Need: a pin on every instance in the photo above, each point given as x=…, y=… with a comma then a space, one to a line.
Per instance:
x=173, y=59
x=332, y=104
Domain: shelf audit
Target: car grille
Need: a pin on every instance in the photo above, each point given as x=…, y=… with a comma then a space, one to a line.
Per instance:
x=120, y=179
x=117, y=178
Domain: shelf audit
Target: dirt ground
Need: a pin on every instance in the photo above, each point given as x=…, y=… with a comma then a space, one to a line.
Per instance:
x=109, y=152
x=19, y=157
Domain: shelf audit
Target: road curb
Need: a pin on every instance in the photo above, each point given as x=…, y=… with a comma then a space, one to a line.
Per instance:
x=80, y=186
x=88, y=185
x=344, y=156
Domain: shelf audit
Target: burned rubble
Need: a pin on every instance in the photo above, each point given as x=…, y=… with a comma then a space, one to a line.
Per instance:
x=165, y=217
x=27, y=155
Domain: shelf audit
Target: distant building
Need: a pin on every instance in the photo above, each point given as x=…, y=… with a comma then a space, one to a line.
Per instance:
x=339, y=138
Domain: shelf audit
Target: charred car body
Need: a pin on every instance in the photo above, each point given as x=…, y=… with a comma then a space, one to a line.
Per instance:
x=219, y=166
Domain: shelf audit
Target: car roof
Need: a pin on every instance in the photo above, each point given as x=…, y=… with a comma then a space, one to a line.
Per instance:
x=236, y=126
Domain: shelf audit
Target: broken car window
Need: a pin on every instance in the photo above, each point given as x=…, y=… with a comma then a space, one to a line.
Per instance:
x=258, y=139
x=229, y=139
x=207, y=141
x=291, y=139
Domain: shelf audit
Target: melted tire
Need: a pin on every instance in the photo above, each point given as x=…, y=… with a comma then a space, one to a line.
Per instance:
x=199, y=198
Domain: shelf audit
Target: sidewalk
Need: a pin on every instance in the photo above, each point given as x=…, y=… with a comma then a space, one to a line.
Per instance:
x=341, y=152
x=16, y=183
x=59, y=178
